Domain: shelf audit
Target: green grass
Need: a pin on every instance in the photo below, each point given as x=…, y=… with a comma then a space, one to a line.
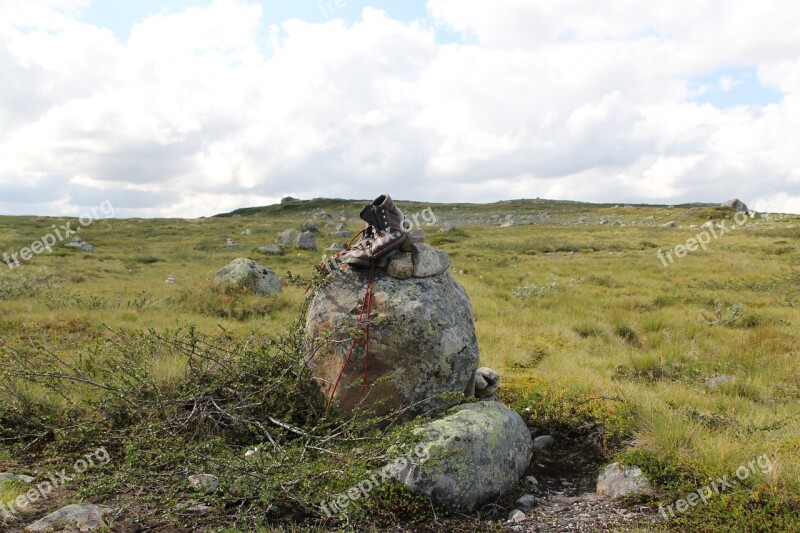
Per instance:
x=584, y=323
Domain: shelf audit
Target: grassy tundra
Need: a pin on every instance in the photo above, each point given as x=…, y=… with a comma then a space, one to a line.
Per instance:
x=596, y=337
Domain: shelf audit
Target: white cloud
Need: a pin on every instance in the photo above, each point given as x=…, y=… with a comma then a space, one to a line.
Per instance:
x=204, y=110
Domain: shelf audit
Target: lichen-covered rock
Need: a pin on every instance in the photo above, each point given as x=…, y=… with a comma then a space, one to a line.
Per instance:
x=288, y=237
x=247, y=274
x=305, y=241
x=422, y=341
x=618, y=480
x=205, y=483
x=77, y=517
x=428, y=261
x=271, y=249
x=80, y=244
x=309, y=226
x=475, y=453
x=716, y=381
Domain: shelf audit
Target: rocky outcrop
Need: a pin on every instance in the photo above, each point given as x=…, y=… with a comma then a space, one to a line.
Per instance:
x=475, y=453
x=736, y=205
x=247, y=274
x=422, y=341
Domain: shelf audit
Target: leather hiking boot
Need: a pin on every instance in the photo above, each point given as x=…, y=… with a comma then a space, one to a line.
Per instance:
x=383, y=235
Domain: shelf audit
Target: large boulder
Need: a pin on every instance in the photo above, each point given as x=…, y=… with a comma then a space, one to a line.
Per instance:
x=736, y=205
x=288, y=237
x=421, y=342
x=475, y=453
x=247, y=274
x=305, y=241
x=77, y=517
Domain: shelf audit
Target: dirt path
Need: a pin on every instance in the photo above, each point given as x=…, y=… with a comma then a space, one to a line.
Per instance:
x=565, y=484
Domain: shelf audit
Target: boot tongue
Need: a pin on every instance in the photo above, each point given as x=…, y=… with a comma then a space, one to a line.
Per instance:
x=369, y=216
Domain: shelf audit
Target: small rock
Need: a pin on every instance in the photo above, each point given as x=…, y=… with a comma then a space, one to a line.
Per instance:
x=6, y=476
x=516, y=516
x=200, y=508
x=526, y=503
x=171, y=281
x=489, y=375
x=244, y=487
x=344, y=234
x=532, y=480
x=271, y=249
x=618, y=480
x=77, y=517
x=80, y=244
x=605, y=222
x=670, y=224
x=337, y=247
x=247, y=232
x=310, y=226
x=205, y=483
x=716, y=381
x=416, y=236
x=401, y=266
x=543, y=441
x=230, y=242
x=428, y=261
x=250, y=454
x=487, y=383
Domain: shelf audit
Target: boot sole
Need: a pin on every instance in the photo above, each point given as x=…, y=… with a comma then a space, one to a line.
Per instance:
x=389, y=249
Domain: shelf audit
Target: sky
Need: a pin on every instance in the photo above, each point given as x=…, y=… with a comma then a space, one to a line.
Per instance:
x=189, y=108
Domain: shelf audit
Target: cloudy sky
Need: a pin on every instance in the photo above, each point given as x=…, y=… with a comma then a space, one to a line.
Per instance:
x=194, y=107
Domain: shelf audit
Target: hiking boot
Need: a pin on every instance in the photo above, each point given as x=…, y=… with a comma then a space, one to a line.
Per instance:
x=383, y=235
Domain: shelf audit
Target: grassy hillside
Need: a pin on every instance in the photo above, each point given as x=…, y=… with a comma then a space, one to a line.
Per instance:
x=596, y=337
